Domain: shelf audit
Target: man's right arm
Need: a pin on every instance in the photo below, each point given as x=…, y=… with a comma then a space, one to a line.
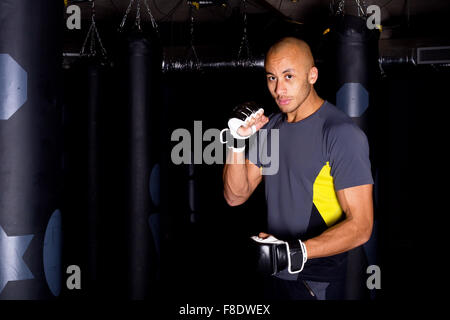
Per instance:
x=240, y=178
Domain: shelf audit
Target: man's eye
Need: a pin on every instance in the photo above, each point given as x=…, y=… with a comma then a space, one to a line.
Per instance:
x=289, y=76
x=271, y=78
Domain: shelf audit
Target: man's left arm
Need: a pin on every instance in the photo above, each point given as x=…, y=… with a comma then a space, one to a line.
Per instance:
x=353, y=231
x=351, y=171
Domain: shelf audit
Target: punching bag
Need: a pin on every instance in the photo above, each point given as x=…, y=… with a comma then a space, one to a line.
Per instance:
x=84, y=95
x=30, y=149
x=95, y=77
x=354, y=65
x=144, y=67
x=356, y=54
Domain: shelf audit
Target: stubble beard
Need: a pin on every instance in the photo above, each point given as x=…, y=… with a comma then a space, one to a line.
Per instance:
x=306, y=88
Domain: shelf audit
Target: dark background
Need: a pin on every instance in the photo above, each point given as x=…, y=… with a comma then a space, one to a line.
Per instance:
x=205, y=260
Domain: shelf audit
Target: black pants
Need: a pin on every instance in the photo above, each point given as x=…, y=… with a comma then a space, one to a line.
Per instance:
x=279, y=289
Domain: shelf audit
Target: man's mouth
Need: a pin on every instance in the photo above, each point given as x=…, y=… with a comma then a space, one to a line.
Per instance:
x=283, y=101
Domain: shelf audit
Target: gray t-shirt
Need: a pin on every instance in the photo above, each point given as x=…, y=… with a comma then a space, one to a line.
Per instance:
x=318, y=155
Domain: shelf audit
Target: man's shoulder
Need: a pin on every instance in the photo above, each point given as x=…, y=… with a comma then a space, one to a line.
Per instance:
x=332, y=115
x=337, y=122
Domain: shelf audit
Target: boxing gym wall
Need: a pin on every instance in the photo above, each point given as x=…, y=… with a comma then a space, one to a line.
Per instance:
x=87, y=179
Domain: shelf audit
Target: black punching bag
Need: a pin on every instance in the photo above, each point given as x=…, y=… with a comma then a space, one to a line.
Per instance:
x=355, y=57
x=144, y=67
x=356, y=64
x=30, y=149
x=95, y=77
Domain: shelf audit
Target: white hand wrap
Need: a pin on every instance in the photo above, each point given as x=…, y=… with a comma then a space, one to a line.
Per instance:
x=241, y=116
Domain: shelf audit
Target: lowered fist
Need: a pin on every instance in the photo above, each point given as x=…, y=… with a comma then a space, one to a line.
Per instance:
x=273, y=255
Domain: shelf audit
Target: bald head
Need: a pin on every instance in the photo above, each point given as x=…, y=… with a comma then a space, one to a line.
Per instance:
x=291, y=75
x=292, y=47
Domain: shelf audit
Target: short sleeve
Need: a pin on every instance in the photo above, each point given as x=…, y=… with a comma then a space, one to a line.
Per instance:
x=253, y=152
x=259, y=146
x=349, y=156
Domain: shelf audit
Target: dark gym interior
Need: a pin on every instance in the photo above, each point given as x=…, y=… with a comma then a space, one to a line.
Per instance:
x=80, y=154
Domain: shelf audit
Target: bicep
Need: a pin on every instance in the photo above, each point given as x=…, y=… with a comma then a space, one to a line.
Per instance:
x=357, y=203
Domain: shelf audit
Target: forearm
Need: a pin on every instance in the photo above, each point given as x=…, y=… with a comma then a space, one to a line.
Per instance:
x=240, y=177
x=235, y=178
x=342, y=237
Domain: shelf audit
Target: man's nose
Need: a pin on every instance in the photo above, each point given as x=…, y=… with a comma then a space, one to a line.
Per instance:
x=280, y=88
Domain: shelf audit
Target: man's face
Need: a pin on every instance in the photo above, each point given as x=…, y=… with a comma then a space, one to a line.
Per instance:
x=288, y=78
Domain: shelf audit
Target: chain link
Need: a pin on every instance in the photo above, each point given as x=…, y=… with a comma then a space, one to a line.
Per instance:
x=93, y=35
x=342, y=7
x=152, y=19
x=124, y=19
x=338, y=7
x=244, y=40
x=85, y=41
x=93, y=11
x=362, y=8
x=137, y=22
x=92, y=42
x=192, y=22
x=103, y=50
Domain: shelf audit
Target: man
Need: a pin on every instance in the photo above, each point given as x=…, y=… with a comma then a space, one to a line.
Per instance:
x=320, y=200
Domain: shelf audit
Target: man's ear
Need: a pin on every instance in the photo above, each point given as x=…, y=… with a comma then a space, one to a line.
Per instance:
x=313, y=75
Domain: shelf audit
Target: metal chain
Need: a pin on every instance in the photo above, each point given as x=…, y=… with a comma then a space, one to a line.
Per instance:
x=137, y=23
x=365, y=7
x=192, y=35
x=93, y=11
x=362, y=8
x=93, y=52
x=93, y=35
x=338, y=7
x=124, y=19
x=90, y=28
x=244, y=40
x=85, y=41
x=92, y=42
x=104, y=53
x=152, y=19
x=342, y=6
